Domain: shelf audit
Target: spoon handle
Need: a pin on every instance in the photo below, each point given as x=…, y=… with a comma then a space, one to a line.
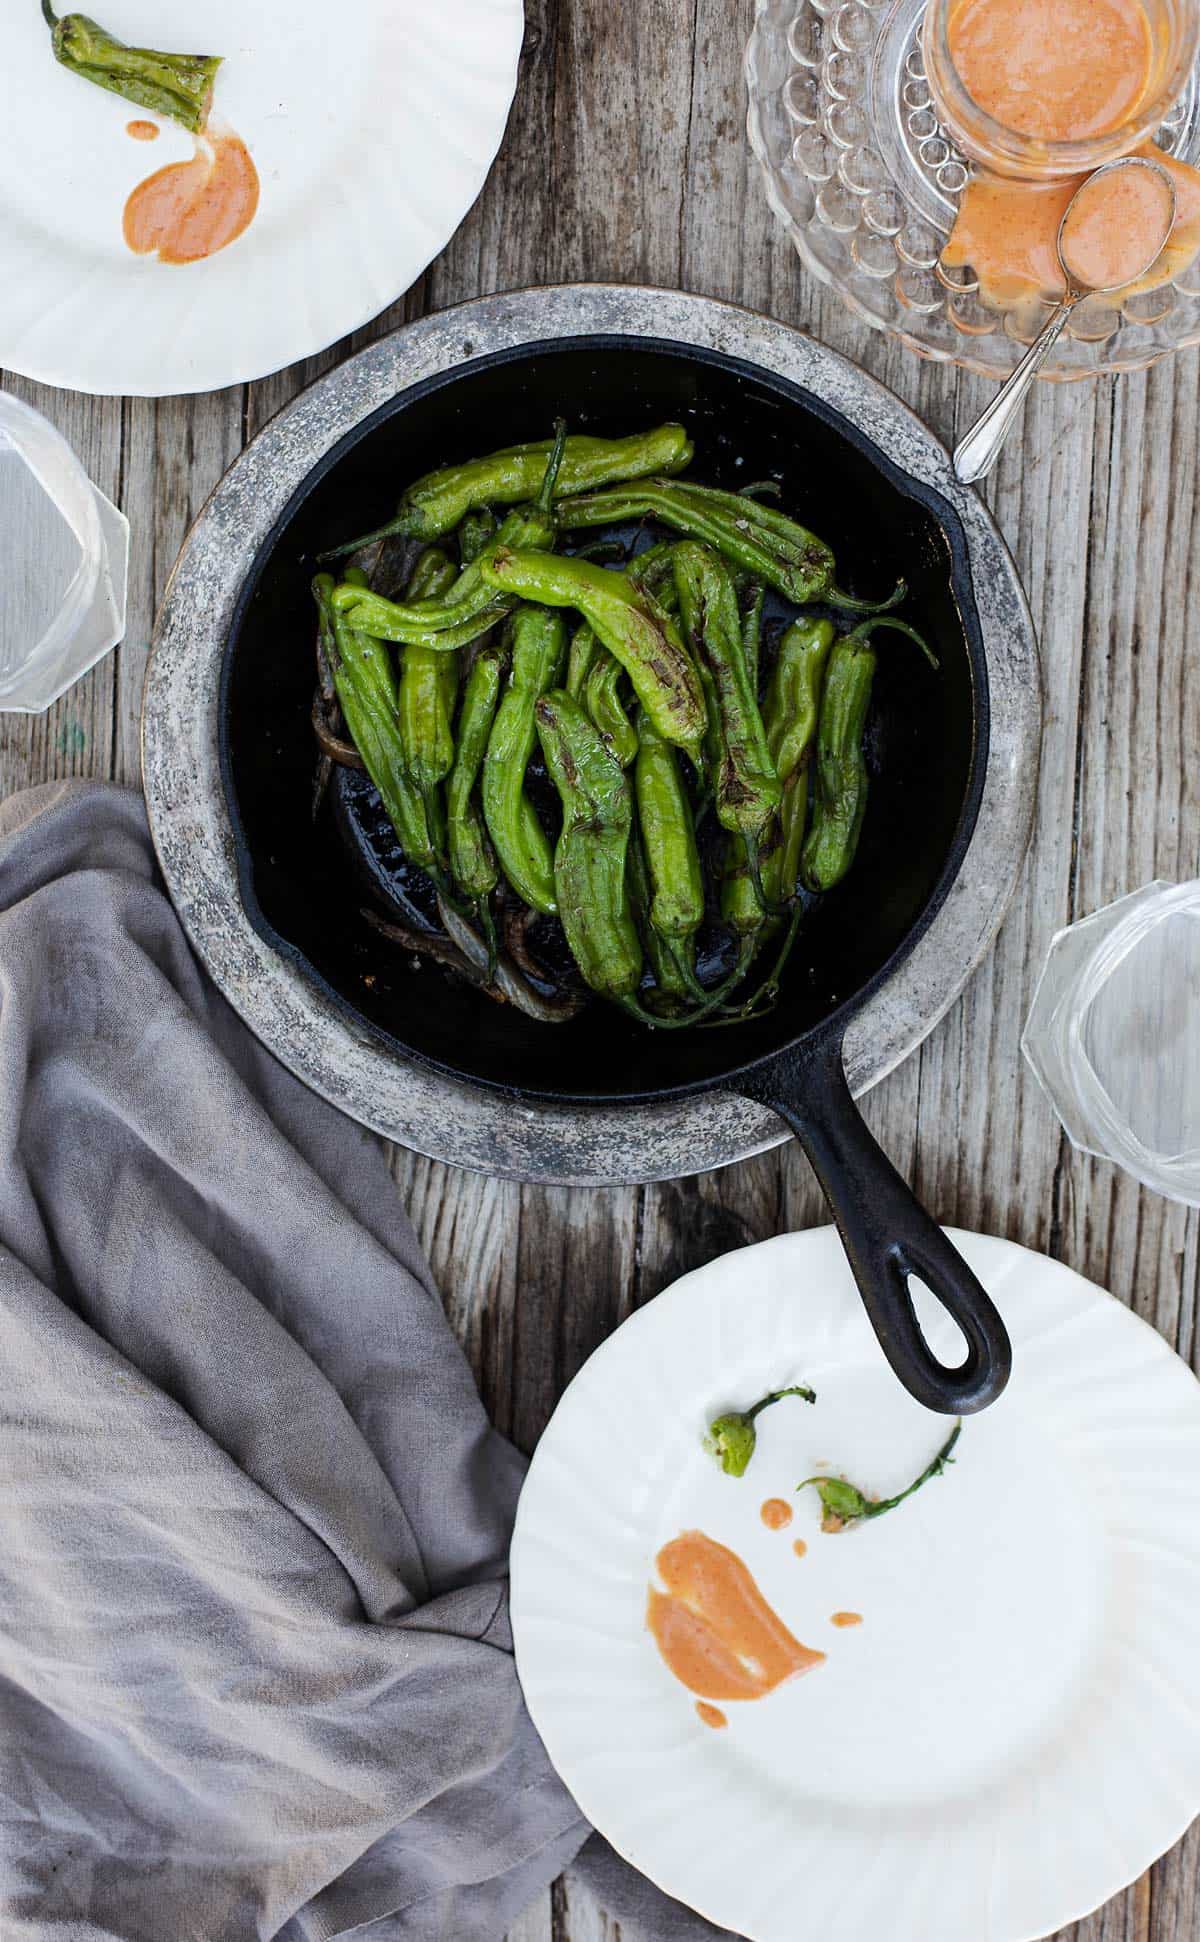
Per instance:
x=976, y=454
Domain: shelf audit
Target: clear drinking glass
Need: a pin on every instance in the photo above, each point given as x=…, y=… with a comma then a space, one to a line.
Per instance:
x=1174, y=30
x=1113, y=1035
x=64, y=560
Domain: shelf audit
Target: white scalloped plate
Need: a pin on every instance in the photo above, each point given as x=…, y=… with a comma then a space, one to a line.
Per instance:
x=1011, y=1735
x=373, y=124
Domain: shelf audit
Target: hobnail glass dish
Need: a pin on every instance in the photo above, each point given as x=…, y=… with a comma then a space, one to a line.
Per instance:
x=858, y=169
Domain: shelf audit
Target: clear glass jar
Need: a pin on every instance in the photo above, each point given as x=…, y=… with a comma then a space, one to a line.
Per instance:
x=1174, y=30
x=64, y=551
x=1113, y=1035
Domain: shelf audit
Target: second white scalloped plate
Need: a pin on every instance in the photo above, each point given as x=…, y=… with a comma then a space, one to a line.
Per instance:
x=1010, y=1736
x=373, y=124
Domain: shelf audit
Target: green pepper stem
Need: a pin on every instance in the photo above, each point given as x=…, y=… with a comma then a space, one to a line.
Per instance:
x=933, y=1469
x=777, y=1395
x=835, y=597
x=545, y=499
x=487, y=924
x=400, y=524
x=48, y=14
x=866, y=628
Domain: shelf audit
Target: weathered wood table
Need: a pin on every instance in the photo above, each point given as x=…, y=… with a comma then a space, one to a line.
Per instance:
x=626, y=159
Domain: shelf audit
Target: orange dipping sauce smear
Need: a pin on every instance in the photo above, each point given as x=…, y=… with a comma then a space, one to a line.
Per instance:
x=843, y=1619
x=710, y=1715
x=1054, y=70
x=190, y=210
x=1007, y=232
x=142, y=131
x=800, y=1547
x=715, y=1630
x=776, y=1513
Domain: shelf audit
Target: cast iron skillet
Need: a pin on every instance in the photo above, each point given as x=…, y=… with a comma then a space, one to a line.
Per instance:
x=927, y=748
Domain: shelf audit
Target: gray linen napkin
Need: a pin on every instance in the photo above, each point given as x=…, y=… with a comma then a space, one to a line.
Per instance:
x=255, y=1668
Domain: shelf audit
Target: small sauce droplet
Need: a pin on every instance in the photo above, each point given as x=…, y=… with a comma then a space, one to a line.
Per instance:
x=846, y=1618
x=711, y=1715
x=142, y=131
x=800, y=1547
x=776, y=1514
x=714, y=1628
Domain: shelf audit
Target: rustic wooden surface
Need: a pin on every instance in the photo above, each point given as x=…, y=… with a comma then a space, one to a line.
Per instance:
x=626, y=159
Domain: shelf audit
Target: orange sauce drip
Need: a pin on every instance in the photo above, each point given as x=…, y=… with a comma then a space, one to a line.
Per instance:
x=842, y=1619
x=1007, y=232
x=142, y=131
x=776, y=1513
x=800, y=1547
x=1054, y=70
x=190, y=210
x=711, y=1715
x=715, y=1630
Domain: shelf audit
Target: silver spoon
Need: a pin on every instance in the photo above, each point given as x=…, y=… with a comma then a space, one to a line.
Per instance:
x=978, y=451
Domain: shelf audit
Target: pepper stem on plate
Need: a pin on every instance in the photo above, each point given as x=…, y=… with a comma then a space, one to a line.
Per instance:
x=731, y=1438
x=843, y=1503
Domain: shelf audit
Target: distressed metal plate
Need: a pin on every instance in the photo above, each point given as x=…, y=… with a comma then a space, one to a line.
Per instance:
x=429, y=1111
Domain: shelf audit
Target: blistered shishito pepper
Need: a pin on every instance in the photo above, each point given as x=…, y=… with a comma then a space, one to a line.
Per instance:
x=179, y=86
x=676, y=909
x=472, y=859
x=790, y=713
x=537, y=643
x=628, y=622
x=763, y=542
x=602, y=697
x=750, y=604
x=746, y=786
x=583, y=651
x=428, y=688
x=840, y=783
x=435, y=504
x=590, y=858
x=476, y=532
x=671, y=989
x=469, y=606
x=366, y=690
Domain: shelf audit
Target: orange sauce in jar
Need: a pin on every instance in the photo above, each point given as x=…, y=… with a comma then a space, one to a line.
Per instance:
x=1054, y=70
x=715, y=1630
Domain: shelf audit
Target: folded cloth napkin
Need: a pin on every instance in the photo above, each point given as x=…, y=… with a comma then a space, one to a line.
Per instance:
x=256, y=1676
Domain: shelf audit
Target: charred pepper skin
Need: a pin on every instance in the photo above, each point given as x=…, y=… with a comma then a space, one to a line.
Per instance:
x=840, y=783
x=628, y=622
x=435, y=504
x=366, y=690
x=467, y=606
x=761, y=541
x=590, y=858
x=746, y=786
x=525, y=853
x=472, y=859
x=179, y=86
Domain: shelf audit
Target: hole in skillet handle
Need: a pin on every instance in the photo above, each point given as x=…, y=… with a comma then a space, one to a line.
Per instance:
x=885, y=1231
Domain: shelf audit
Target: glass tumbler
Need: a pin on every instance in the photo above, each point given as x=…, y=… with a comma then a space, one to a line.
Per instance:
x=1113, y=1035
x=64, y=561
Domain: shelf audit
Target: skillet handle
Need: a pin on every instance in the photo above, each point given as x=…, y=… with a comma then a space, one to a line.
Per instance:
x=888, y=1236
